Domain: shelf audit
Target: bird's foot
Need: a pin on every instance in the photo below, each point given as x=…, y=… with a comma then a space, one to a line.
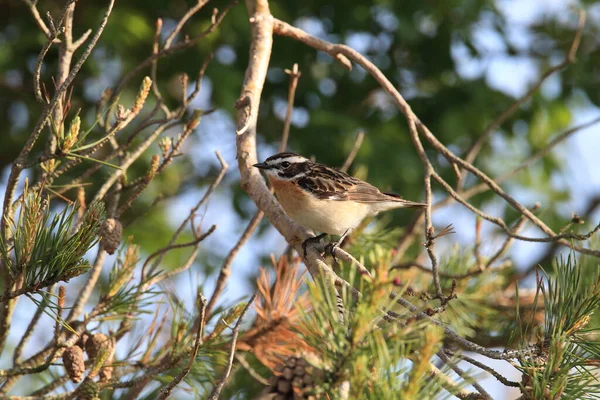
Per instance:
x=314, y=239
x=331, y=248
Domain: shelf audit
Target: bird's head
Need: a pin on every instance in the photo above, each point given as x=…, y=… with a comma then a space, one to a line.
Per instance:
x=285, y=166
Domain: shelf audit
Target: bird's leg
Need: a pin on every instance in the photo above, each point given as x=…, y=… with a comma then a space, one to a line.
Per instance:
x=314, y=239
x=331, y=247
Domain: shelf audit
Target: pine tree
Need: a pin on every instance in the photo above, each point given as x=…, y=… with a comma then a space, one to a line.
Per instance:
x=399, y=312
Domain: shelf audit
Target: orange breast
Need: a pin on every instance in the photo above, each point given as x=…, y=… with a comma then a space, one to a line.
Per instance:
x=328, y=216
x=290, y=196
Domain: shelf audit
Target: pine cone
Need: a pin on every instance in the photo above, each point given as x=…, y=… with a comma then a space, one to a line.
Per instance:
x=74, y=364
x=100, y=349
x=294, y=380
x=111, y=232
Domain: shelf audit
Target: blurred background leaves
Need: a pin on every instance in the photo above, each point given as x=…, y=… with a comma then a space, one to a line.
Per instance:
x=459, y=63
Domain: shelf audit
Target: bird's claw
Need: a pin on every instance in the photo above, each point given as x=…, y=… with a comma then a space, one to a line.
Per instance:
x=331, y=248
x=313, y=239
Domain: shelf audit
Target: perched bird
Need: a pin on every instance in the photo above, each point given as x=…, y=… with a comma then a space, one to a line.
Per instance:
x=324, y=199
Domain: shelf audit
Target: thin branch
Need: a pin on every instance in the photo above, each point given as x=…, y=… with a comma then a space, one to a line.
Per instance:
x=429, y=231
x=29, y=331
x=569, y=59
x=154, y=68
x=38, y=18
x=88, y=288
x=360, y=135
x=451, y=334
x=183, y=267
x=203, y=200
x=484, y=367
x=173, y=49
x=447, y=383
x=294, y=74
x=482, y=187
x=167, y=390
x=189, y=14
x=226, y=267
x=415, y=264
x=253, y=373
x=508, y=242
x=17, y=167
x=130, y=159
x=285, y=29
x=236, y=330
x=408, y=236
x=166, y=249
x=38, y=65
x=345, y=256
x=459, y=371
x=561, y=238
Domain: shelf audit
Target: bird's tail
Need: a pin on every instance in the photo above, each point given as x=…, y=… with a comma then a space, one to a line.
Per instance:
x=405, y=203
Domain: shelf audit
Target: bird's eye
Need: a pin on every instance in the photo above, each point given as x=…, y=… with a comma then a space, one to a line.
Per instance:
x=285, y=164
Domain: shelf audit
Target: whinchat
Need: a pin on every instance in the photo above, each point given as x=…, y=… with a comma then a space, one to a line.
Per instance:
x=324, y=199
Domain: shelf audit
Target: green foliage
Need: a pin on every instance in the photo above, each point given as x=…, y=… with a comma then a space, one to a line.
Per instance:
x=378, y=359
x=413, y=43
x=45, y=249
x=562, y=363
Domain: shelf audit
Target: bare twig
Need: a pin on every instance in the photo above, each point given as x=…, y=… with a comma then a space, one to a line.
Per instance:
x=203, y=200
x=484, y=367
x=167, y=390
x=482, y=187
x=514, y=107
x=166, y=249
x=154, y=68
x=285, y=29
x=173, y=49
x=17, y=167
x=451, y=334
x=226, y=267
x=38, y=19
x=183, y=267
x=253, y=373
x=189, y=14
x=88, y=288
x=429, y=230
x=463, y=374
x=360, y=135
x=508, y=242
x=30, y=328
x=130, y=159
x=408, y=236
x=236, y=330
x=294, y=74
x=447, y=383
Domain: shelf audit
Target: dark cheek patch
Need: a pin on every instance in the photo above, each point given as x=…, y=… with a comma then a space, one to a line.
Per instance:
x=292, y=170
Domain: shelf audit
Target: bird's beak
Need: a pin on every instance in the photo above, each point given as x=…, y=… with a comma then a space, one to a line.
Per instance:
x=261, y=166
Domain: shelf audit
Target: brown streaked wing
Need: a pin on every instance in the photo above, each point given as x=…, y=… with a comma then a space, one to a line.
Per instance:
x=328, y=183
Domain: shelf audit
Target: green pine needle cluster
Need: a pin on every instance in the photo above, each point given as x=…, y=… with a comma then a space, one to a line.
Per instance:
x=562, y=364
x=360, y=352
x=45, y=250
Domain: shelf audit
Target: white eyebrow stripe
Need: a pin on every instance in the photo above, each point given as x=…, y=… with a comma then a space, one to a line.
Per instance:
x=290, y=159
